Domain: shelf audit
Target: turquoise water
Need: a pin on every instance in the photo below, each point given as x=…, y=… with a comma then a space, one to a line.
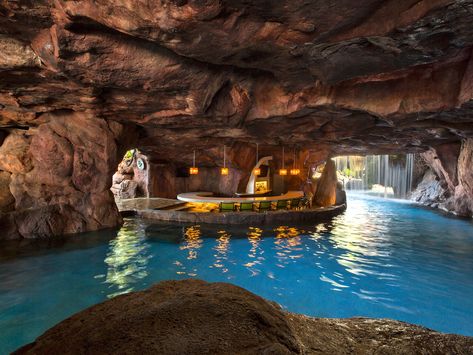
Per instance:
x=381, y=258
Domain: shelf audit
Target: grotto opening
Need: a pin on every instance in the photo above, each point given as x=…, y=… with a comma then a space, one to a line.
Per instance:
x=242, y=142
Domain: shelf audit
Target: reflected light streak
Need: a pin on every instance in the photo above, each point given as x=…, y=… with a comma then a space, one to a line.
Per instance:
x=192, y=241
x=223, y=242
x=127, y=260
x=254, y=237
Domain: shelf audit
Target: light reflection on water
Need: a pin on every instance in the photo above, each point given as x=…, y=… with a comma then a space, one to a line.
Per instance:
x=127, y=260
x=378, y=259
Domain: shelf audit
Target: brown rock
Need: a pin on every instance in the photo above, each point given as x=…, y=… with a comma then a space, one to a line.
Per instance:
x=62, y=176
x=52, y=156
x=14, y=53
x=7, y=201
x=14, y=153
x=465, y=166
x=196, y=317
x=448, y=182
x=325, y=194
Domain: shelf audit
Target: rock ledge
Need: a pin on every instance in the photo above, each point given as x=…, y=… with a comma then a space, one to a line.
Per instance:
x=196, y=317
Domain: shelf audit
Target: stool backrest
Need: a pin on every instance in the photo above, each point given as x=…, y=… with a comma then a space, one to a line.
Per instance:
x=227, y=206
x=246, y=206
x=264, y=205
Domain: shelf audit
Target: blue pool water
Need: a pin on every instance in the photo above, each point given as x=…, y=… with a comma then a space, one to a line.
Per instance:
x=381, y=258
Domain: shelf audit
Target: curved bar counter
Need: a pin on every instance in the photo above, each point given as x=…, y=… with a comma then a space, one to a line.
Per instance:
x=312, y=215
x=178, y=215
x=207, y=197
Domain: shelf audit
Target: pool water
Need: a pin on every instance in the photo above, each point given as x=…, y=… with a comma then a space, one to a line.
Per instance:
x=380, y=258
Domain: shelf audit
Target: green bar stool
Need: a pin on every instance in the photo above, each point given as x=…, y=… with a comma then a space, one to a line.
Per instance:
x=295, y=203
x=264, y=206
x=281, y=205
x=227, y=207
x=246, y=206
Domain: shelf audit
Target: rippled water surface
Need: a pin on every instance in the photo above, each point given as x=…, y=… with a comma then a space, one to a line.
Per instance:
x=380, y=258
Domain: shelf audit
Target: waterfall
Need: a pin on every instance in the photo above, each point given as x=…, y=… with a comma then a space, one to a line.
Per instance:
x=386, y=175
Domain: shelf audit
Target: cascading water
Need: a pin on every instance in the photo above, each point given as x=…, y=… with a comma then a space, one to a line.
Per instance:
x=388, y=175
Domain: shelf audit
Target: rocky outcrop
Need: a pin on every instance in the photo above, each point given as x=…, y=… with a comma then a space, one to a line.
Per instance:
x=448, y=180
x=376, y=77
x=130, y=181
x=196, y=317
x=59, y=175
x=326, y=191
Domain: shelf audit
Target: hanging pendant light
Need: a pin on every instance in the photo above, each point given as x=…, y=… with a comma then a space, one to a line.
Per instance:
x=224, y=170
x=193, y=170
x=294, y=171
x=283, y=171
x=257, y=171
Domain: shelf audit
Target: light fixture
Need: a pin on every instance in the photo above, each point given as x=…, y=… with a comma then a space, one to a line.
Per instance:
x=283, y=171
x=224, y=170
x=257, y=171
x=193, y=170
x=294, y=170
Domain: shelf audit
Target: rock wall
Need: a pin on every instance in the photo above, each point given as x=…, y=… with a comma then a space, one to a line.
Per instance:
x=447, y=183
x=55, y=178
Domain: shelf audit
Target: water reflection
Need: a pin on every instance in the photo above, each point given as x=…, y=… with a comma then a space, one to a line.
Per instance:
x=288, y=245
x=192, y=241
x=221, y=248
x=127, y=260
x=256, y=252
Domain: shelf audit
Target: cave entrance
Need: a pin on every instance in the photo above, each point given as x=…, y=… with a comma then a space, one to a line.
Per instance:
x=382, y=175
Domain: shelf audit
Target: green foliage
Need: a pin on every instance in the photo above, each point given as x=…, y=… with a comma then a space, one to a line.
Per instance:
x=129, y=154
x=349, y=173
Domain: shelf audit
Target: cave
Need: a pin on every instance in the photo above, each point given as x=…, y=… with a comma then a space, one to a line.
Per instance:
x=314, y=159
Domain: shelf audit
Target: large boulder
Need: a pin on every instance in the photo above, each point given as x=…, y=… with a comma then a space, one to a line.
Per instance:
x=326, y=193
x=196, y=317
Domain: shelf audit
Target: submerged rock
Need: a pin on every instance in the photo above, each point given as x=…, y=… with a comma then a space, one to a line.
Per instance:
x=196, y=317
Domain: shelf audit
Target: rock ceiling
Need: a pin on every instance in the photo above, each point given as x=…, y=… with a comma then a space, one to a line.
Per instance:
x=380, y=76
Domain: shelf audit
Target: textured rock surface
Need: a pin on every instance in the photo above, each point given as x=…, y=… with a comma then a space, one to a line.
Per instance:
x=57, y=176
x=448, y=181
x=326, y=192
x=327, y=77
x=376, y=76
x=195, y=317
x=129, y=181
